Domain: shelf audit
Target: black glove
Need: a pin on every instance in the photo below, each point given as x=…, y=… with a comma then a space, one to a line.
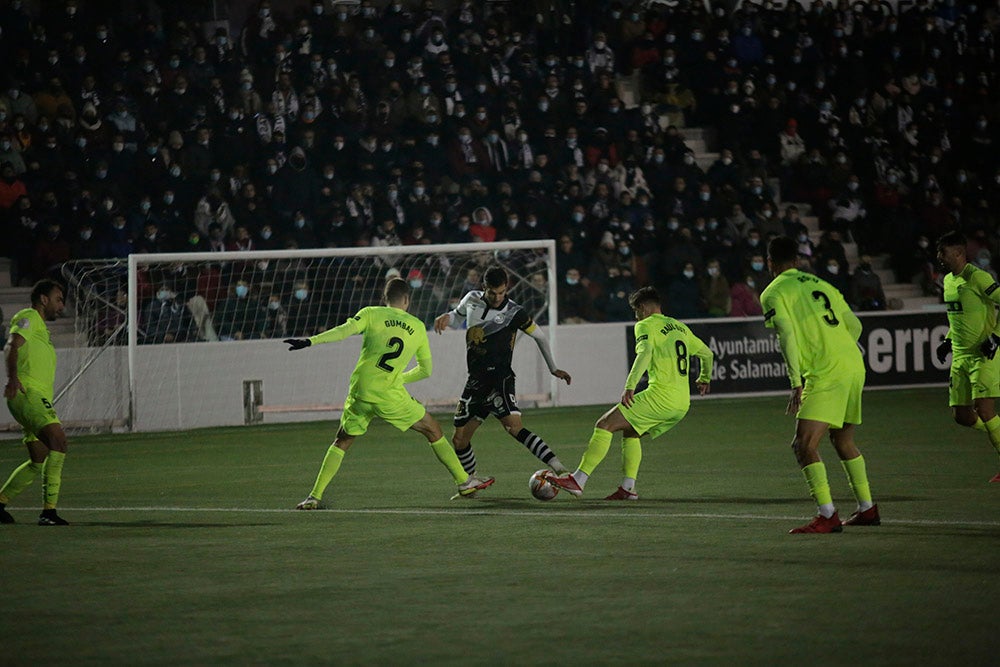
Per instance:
x=989, y=346
x=297, y=343
x=943, y=350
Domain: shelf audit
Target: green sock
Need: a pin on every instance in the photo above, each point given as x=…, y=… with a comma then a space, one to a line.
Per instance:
x=331, y=464
x=980, y=425
x=445, y=453
x=597, y=449
x=19, y=480
x=819, y=487
x=857, y=477
x=993, y=429
x=631, y=457
x=52, y=479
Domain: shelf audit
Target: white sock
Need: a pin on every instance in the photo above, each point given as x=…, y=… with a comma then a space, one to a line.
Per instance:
x=827, y=510
x=629, y=484
x=581, y=478
x=865, y=505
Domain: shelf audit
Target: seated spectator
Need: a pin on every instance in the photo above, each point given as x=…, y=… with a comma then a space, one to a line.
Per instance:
x=164, y=319
x=865, y=292
x=275, y=324
x=684, y=295
x=575, y=301
x=239, y=316
x=715, y=292
x=745, y=298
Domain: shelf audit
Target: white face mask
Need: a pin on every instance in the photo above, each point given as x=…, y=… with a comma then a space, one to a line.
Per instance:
x=713, y=271
x=833, y=269
x=689, y=274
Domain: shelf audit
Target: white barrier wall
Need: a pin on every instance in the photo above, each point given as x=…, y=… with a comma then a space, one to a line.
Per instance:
x=196, y=385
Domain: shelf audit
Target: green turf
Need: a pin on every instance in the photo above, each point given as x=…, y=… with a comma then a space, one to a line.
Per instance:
x=155, y=570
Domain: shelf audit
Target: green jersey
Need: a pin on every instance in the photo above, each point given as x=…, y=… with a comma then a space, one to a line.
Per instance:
x=391, y=338
x=36, y=359
x=817, y=331
x=663, y=347
x=971, y=298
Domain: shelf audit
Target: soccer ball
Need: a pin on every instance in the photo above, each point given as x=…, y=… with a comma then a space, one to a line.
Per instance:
x=540, y=487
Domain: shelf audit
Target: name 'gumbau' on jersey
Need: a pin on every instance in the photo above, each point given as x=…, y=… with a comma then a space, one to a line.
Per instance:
x=971, y=298
x=491, y=333
x=391, y=338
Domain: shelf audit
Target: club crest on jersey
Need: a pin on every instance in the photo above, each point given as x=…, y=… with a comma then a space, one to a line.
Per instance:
x=499, y=318
x=475, y=335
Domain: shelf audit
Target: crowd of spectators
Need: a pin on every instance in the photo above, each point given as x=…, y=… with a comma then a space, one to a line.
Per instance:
x=371, y=124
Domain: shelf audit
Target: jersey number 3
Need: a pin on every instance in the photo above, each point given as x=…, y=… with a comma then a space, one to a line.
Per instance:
x=395, y=349
x=831, y=317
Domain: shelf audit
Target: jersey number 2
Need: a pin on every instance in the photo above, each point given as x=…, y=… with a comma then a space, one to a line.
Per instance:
x=395, y=349
x=831, y=318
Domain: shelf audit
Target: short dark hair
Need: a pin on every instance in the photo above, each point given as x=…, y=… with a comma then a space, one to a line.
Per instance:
x=495, y=276
x=395, y=290
x=952, y=238
x=43, y=288
x=783, y=250
x=644, y=295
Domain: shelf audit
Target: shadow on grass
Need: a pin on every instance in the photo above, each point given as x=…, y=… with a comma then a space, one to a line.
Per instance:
x=164, y=524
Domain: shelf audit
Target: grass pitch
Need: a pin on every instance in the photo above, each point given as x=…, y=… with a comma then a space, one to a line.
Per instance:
x=183, y=549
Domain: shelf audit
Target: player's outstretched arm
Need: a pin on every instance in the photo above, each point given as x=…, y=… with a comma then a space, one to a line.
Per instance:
x=297, y=343
x=442, y=322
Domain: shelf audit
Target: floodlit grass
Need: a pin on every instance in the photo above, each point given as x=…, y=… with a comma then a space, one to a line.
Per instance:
x=183, y=550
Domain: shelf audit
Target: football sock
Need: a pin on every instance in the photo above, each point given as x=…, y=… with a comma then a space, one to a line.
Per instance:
x=538, y=447
x=597, y=449
x=467, y=457
x=19, y=480
x=857, y=477
x=631, y=457
x=993, y=428
x=445, y=453
x=980, y=425
x=629, y=484
x=52, y=479
x=819, y=487
x=331, y=464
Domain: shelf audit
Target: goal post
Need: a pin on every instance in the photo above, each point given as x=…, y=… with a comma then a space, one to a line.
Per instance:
x=200, y=332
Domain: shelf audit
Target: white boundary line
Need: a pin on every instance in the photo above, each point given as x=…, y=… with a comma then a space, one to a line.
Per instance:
x=471, y=511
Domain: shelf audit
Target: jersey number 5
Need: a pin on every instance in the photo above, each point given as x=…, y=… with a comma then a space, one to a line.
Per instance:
x=831, y=318
x=395, y=349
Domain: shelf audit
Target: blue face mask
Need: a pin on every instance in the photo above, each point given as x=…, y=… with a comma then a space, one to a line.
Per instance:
x=757, y=266
x=163, y=295
x=301, y=294
x=242, y=291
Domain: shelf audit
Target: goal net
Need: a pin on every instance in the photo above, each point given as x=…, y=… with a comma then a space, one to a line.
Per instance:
x=188, y=340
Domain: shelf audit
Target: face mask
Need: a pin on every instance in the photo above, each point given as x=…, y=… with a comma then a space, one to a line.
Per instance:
x=418, y=191
x=578, y=217
x=416, y=284
x=757, y=266
x=673, y=225
x=572, y=281
x=689, y=274
x=705, y=196
x=271, y=168
x=852, y=186
x=658, y=159
x=145, y=206
x=301, y=294
x=713, y=271
x=175, y=171
x=163, y=295
x=300, y=223
x=242, y=291
x=265, y=234
x=833, y=269
x=86, y=234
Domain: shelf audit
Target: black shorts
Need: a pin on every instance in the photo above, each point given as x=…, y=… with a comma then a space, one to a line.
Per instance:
x=482, y=398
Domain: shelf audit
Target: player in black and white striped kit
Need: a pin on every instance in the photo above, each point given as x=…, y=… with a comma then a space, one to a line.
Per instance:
x=492, y=322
